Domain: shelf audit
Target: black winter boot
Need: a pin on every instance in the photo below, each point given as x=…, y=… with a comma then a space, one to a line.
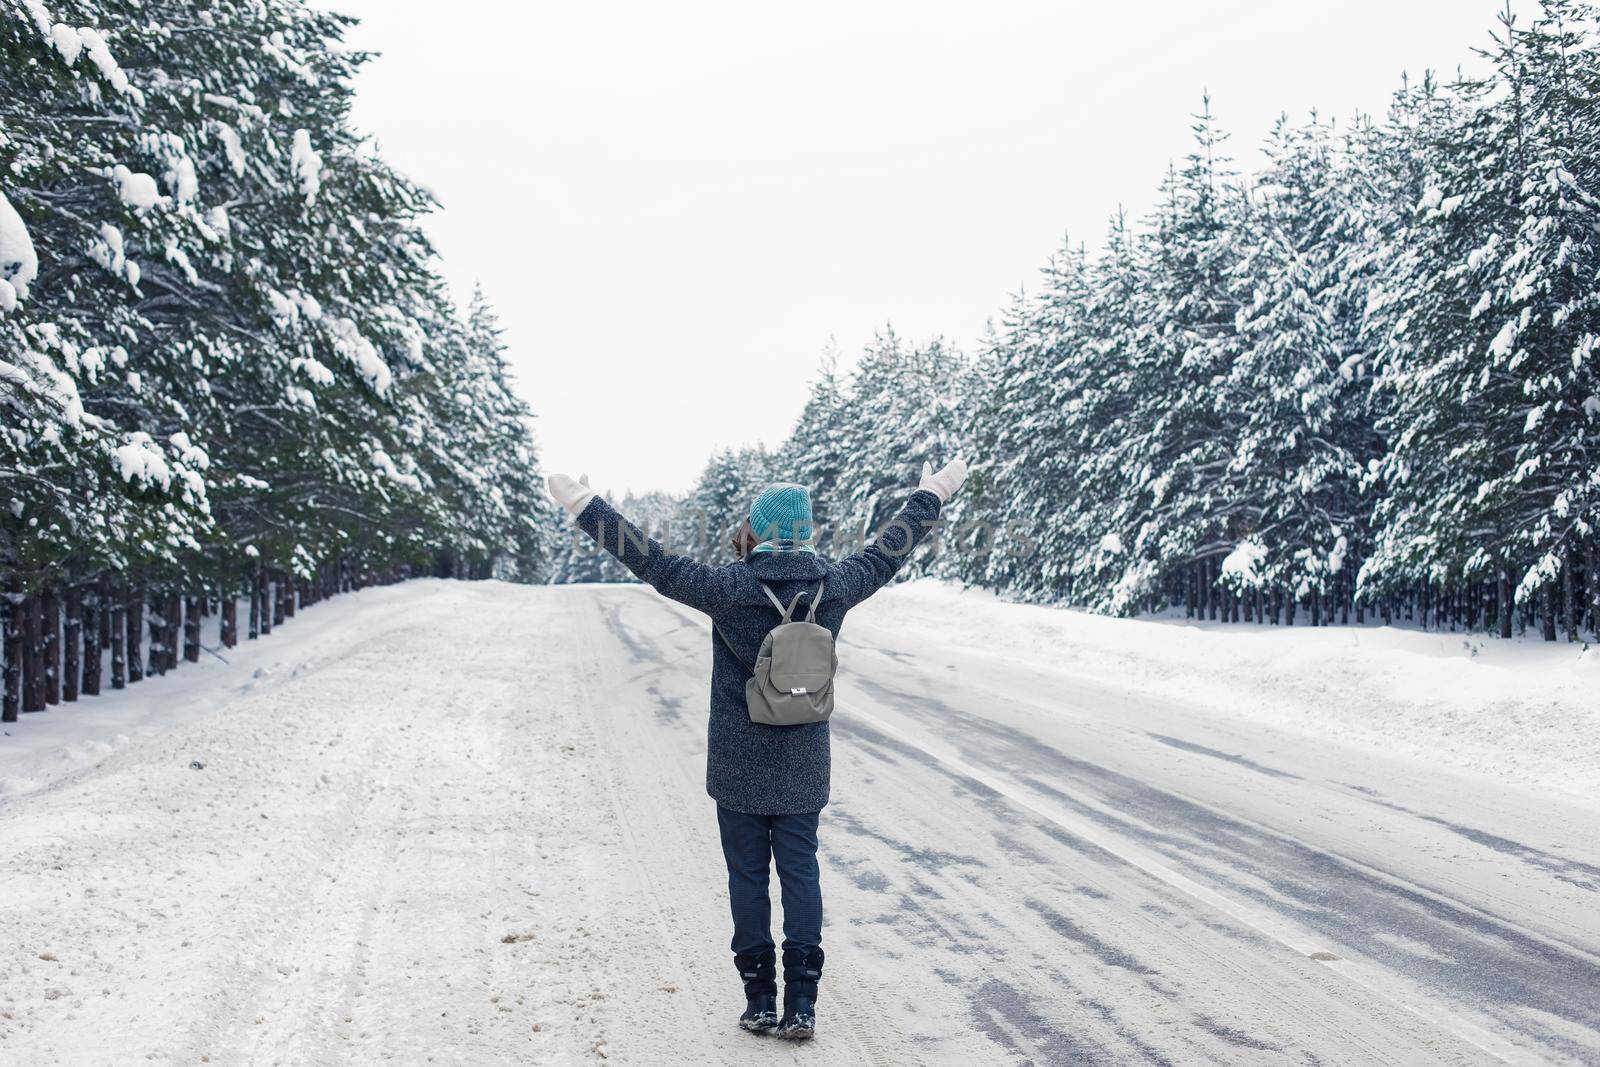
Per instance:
x=801, y=969
x=760, y=973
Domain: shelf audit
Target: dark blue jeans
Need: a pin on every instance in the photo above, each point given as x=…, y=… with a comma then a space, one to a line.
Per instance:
x=749, y=844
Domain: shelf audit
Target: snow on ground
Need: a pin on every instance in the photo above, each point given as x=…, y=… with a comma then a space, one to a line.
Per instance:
x=465, y=823
x=1524, y=710
x=43, y=747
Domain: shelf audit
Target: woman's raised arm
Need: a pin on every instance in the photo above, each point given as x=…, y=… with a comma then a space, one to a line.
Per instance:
x=688, y=581
x=867, y=571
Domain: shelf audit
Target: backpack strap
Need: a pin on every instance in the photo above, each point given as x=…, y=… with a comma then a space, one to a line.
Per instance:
x=811, y=616
x=786, y=612
x=729, y=646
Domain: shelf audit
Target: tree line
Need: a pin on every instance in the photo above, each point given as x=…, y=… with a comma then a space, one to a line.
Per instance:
x=1363, y=382
x=229, y=367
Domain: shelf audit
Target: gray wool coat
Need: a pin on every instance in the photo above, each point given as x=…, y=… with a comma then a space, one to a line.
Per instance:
x=752, y=767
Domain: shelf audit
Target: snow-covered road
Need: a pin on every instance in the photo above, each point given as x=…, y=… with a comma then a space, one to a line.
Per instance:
x=469, y=826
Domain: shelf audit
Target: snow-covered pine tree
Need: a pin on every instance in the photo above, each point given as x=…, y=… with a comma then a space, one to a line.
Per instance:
x=903, y=408
x=1027, y=404
x=1107, y=436
x=1300, y=381
x=986, y=506
x=1489, y=356
x=816, y=454
x=484, y=461
x=1191, y=511
x=101, y=467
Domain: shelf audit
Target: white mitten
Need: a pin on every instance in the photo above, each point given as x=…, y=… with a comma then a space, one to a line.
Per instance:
x=945, y=483
x=572, y=495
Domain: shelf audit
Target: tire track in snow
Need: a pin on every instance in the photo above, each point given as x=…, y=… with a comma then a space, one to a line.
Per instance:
x=1481, y=973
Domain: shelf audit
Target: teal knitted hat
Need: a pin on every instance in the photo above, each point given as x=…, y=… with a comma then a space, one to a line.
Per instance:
x=781, y=517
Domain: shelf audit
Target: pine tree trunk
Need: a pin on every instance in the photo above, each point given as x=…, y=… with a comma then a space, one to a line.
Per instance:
x=117, y=611
x=264, y=590
x=32, y=656
x=255, y=607
x=174, y=639
x=1503, y=602
x=50, y=645
x=1594, y=590
x=92, y=645
x=1289, y=604
x=134, y=617
x=230, y=622
x=1569, y=597
x=106, y=607
x=156, y=618
x=1547, y=605
x=278, y=601
x=191, y=631
x=71, y=666
x=290, y=585
x=11, y=703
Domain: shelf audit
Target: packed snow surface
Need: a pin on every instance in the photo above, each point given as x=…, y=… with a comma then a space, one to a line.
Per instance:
x=465, y=823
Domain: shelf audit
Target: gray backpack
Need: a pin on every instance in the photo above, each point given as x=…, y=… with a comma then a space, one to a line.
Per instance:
x=791, y=683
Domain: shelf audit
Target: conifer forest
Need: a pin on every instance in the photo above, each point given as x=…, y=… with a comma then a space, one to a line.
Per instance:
x=229, y=369
x=1361, y=383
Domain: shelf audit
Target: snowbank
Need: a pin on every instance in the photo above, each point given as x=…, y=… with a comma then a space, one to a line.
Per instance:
x=1524, y=711
x=44, y=747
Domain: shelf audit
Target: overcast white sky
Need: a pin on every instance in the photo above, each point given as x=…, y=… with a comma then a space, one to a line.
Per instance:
x=675, y=206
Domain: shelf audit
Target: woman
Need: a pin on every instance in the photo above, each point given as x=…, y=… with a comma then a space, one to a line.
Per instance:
x=770, y=782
